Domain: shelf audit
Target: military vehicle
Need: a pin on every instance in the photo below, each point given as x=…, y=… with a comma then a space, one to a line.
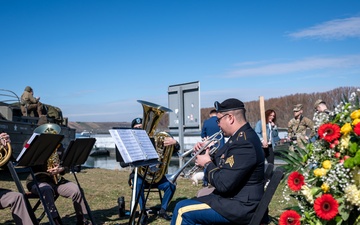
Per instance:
x=20, y=128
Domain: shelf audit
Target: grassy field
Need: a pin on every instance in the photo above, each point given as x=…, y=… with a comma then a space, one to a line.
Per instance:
x=102, y=188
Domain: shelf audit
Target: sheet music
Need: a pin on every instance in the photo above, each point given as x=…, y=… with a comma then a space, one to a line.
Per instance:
x=26, y=146
x=146, y=144
x=133, y=145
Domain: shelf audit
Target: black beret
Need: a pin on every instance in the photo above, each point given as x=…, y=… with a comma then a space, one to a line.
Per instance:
x=136, y=121
x=229, y=104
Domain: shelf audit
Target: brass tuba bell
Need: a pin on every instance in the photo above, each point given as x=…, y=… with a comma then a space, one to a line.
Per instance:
x=49, y=128
x=152, y=114
x=54, y=159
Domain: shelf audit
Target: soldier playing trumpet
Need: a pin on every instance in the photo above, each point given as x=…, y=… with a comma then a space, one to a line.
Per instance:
x=236, y=172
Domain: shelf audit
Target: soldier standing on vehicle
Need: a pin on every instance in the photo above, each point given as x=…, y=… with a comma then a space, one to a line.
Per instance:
x=298, y=126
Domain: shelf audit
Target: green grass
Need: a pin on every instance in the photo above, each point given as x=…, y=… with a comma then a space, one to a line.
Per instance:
x=102, y=188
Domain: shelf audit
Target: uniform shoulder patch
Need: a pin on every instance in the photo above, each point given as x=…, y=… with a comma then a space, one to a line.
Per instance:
x=230, y=160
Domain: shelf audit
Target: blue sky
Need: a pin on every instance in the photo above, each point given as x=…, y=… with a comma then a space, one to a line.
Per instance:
x=95, y=59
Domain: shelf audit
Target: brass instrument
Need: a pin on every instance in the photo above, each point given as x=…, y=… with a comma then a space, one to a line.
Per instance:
x=54, y=159
x=5, y=153
x=215, y=145
x=152, y=114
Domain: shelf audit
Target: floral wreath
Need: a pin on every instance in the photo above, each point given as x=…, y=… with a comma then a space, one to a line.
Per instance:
x=324, y=177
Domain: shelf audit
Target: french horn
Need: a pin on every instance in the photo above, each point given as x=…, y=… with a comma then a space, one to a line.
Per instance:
x=5, y=153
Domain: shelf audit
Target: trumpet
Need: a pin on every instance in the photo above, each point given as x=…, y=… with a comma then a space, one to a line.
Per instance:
x=213, y=139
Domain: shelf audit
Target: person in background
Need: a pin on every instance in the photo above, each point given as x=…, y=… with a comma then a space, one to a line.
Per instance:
x=209, y=128
x=321, y=114
x=15, y=200
x=297, y=128
x=164, y=184
x=30, y=106
x=272, y=135
x=236, y=172
x=320, y=107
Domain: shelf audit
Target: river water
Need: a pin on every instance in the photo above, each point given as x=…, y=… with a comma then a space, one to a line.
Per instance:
x=105, y=143
x=109, y=162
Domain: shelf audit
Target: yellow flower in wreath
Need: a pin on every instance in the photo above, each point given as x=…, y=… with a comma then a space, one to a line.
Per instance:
x=346, y=129
x=319, y=172
x=356, y=121
x=326, y=164
x=325, y=187
x=355, y=115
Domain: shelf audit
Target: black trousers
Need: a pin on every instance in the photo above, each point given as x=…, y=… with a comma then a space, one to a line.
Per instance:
x=269, y=154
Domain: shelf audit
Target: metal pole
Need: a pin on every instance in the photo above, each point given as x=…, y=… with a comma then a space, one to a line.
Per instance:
x=181, y=124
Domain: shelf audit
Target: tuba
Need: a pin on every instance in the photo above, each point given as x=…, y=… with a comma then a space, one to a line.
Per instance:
x=54, y=159
x=152, y=114
x=5, y=153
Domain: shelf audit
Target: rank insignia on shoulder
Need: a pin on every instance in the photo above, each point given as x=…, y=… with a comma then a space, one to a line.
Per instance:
x=230, y=160
x=241, y=135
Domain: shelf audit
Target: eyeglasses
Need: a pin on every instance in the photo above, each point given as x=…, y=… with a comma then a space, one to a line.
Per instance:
x=218, y=120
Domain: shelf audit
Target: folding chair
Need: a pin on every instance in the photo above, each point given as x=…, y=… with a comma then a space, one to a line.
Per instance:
x=147, y=191
x=260, y=211
x=30, y=195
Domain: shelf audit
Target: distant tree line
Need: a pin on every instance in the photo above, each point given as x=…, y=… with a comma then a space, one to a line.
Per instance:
x=283, y=106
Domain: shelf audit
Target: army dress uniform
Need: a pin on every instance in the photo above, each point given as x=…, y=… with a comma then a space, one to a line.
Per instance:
x=237, y=173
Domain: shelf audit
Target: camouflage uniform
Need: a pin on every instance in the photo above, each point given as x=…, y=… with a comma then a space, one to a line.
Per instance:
x=322, y=114
x=29, y=104
x=297, y=128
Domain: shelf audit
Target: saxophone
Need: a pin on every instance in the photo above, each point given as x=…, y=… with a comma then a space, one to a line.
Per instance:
x=54, y=159
x=152, y=114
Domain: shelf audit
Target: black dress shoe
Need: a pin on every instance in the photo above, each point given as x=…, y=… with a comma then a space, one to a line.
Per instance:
x=84, y=222
x=163, y=215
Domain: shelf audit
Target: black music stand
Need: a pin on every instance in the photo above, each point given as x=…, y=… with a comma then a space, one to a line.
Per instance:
x=76, y=154
x=125, y=138
x=37, y=152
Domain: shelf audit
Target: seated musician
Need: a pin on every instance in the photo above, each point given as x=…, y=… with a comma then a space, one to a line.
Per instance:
x=30, y=106
x=14, y=200
x=164, y=185
x=50, y=183
x=236, y=172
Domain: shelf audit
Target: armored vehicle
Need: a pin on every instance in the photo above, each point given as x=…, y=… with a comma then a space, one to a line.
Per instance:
x=20, y=127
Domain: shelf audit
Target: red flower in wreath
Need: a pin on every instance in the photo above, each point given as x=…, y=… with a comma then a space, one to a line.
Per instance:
x=326, y=207
x=357, y=129
x=295, y=181
x=289, y=217
x=329, y=132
